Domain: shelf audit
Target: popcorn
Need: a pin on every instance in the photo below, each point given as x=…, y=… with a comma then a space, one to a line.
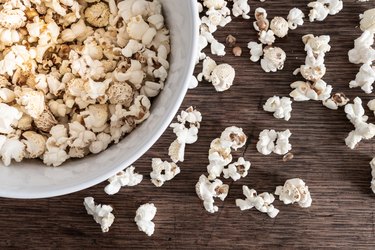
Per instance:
x=368, y=20
x=295, y=18
x=163, y=171
x=272, y=141
x=337, y=100
x=363, y=51
x=97, y=15
x=281, y=107
x=102, y=213
x=122, y=179
x=363, y=130
x=372, y=164
x=237, y=169
x=144, y=216
x=279, y=26
x=294, y=190
x=320, y=9
x=364, y=78
x=267, y=37
x=219, y=156
x=11, y=149
x=241, y=8
x=256, y=51
x=208, y=190
x=262, y=202
x=10, y=115
x=233, y=137
x=273, y=59
x=266, y=143
x=35, y=144
x=371, y=105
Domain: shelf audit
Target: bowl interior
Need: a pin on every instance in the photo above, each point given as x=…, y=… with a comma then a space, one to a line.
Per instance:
x=31, y=179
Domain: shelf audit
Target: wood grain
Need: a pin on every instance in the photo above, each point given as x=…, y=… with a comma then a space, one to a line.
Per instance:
x=342, y=213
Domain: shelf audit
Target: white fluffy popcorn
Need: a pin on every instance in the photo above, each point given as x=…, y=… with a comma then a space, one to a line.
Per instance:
x=144, y=216
x=304, y=91
x=294, y=191
x=320, y=9
x=363, y=51
x=273, y=59
x=241, y=8
x=267, y=37
x=237, y=169
x=295, y=18
x=282, y=145
x=337, y=100
x=363, y=130
x=372, y=164
x=368, y=20
x=9, y=116
x=365, y=78
x=266, y=142
x=279, y=26
x=102, y=213
x=256, y=51
x=262, y=202
x=218, y=156
x=208, y=190
x=371, y=105
x=233, y=137
x=163, y=171
x=280, y=107
x=122, y=179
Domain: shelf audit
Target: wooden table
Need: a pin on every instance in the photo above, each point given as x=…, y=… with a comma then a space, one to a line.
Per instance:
x=342, y=212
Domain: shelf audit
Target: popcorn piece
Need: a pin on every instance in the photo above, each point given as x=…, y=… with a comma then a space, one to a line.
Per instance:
x=262, y=202
x=363, y=130
x=35, y=144
x=372, y=164
x=371, y=105
x=185, y=135
x=364, y=78
x=208, y=190
x=237, y=169
x=281, y=107
x=304, y=91
x=368, y=21
x=11, y=149
x=102, y=213
x=177, y=151
x=233, y=137
x=97, y=15
x=144, y=216
x=282, y=143
x=222, y=77
x=266, y=143
x=241, y=8
x=101, y=143
x=218, y=157
x=163, y=171
x=322, y=8
x=267, y=37
x=279, y=26
x=337, y=100
x=261, y=23
x=363, y=51
x=31, y=101
x=273, y=59
x=256, y=51
x=294, y=190
x=9, y=116
x=191, y=116
x=122, y=179
x=295, y=18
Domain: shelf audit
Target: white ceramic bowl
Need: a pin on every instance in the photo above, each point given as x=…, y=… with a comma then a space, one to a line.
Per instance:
x=34, y=180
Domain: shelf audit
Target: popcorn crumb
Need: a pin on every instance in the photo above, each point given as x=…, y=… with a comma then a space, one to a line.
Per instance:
x=122, y=179
x=294, y=190
x=237, y=51
x=144, y=216
x=102, y=213
x=287, y=157
x=230, y=41
x=262, y=202
x=208, y=190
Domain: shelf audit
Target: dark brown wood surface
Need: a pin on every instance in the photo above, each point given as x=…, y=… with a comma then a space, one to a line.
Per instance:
x=342, y=212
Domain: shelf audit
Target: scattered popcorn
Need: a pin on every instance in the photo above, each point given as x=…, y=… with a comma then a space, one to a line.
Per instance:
x=122, y=179
x=267, y=37
x=363, y=130
x=368, y=21
x=266, y=143
x=219, y=156
x=365, y=78
x=372, y=164
x=337, y=100
x=363, y=51
x=233, y=137
x=281, y=107
x=163, y=171
x=102, y=213
x=320, y=9
x=222, y=77
x=295, y=18
x=10, y=115
x=237, y=169
x=144, y=216
x=371, y=105
x=208, y=190
x=279, y=26
x=282, y=143
x=294, y=190
x=262, y=202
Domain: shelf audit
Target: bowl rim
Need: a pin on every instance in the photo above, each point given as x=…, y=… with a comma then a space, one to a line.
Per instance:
x=157, y=134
